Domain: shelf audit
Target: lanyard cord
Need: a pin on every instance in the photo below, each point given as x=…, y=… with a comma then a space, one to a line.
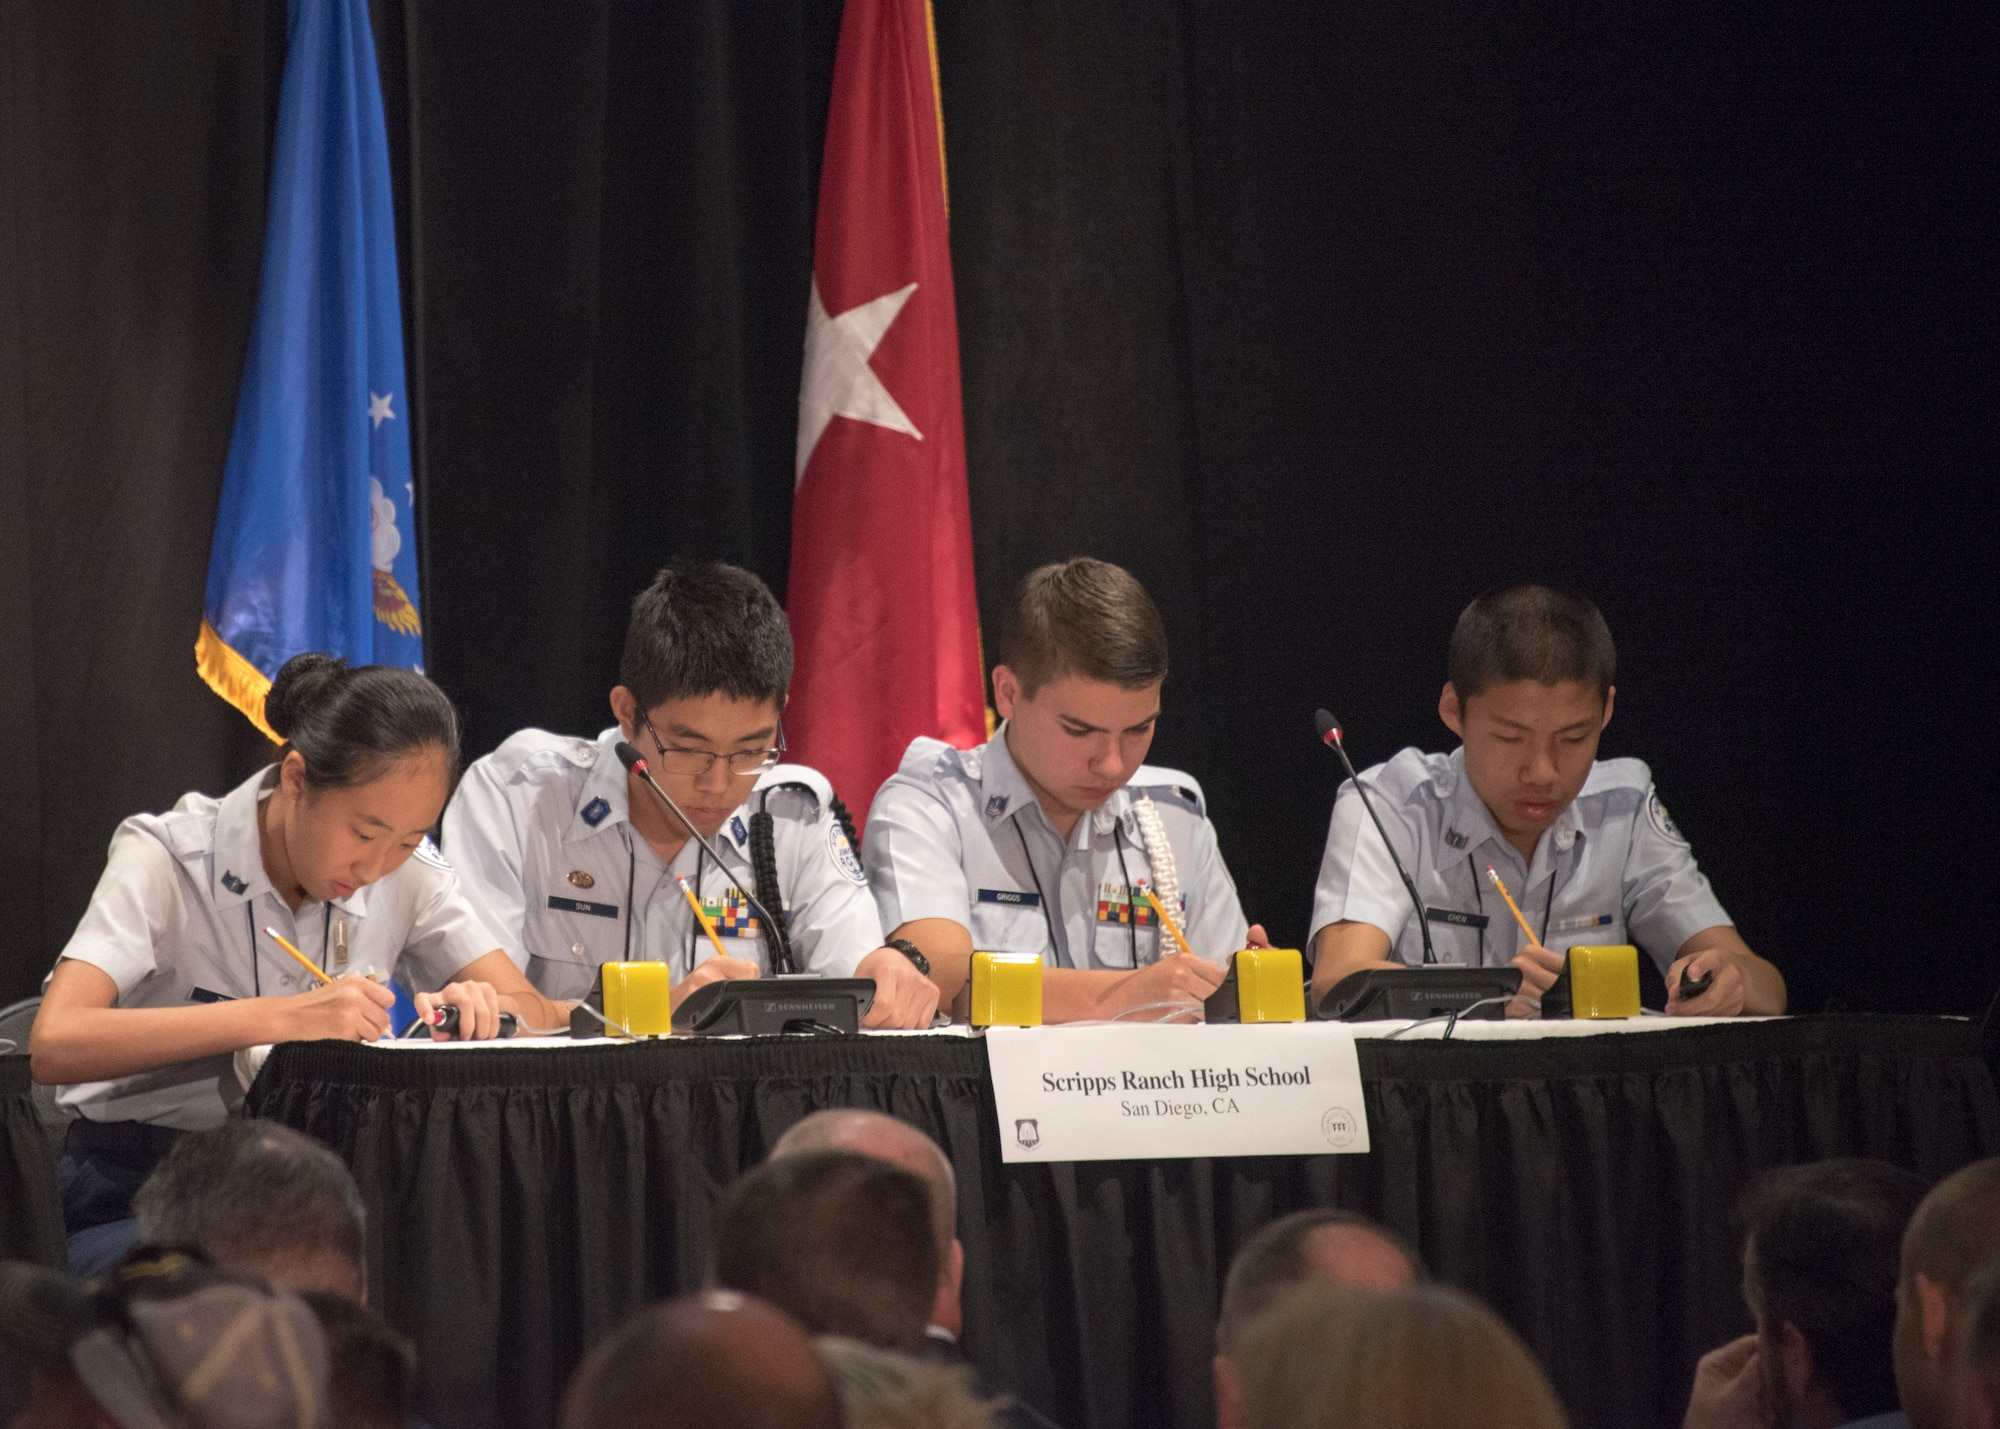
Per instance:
x=257, y=963
x=1047, y=917
x=631, y=877
x=1479, y=899
x=1131, y=902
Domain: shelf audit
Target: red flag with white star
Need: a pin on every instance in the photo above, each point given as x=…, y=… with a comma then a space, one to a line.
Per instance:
x=881, y=597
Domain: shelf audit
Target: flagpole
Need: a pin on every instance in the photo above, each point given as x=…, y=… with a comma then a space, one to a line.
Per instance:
x=415, y=372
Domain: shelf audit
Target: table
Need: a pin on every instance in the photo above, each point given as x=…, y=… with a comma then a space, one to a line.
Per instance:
x=523, y=1200
x=30, y=1219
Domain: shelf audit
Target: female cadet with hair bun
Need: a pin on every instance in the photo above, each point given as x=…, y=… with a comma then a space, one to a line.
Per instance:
x=170, y=972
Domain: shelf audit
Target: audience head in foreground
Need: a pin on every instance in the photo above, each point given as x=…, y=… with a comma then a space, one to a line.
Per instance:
x=373, y=1368
x=1820, y=1248
x=1323, y=1244
x=263, y=1198
x=1328, y=1356
x=871, y=1133
x=1954, y=1236
x=881, y=1389
x=714, y=1361
x=843, y=1243
x=164, y=1340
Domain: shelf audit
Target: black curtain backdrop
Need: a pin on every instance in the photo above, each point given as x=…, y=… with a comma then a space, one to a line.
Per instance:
x=1320, y=317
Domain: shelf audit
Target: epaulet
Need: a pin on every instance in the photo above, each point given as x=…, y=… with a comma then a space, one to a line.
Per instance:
x=796, y=776
x=188, y=833
x=1608, y=776
x=528, y=752
x=1407, y=771
x=1164, y=785
x=926, y=758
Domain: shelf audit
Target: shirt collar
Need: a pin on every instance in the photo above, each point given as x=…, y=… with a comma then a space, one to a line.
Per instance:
x=602, y=802
x=239, y=856
x=239, y=859
x=1005, y=792
x=1467, y=818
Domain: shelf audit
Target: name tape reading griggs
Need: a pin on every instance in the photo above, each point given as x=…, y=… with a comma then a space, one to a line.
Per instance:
x=1141, y=1093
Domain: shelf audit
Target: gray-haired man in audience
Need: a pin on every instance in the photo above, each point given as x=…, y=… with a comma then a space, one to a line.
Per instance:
x=260, y=1197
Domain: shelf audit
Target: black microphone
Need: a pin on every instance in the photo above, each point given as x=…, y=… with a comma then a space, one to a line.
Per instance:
x=1329, y=734
x=632, y=759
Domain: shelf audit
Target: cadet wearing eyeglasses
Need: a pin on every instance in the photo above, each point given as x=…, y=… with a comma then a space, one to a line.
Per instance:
x=574, y=863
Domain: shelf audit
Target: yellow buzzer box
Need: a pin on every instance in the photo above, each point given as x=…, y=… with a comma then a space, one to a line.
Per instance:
x=1006, y=990
x=1604, y=981
x=638, y=998
x=1270, y=985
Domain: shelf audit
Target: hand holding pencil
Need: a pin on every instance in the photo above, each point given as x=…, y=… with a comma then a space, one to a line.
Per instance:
x=1539, y=967
x=346, y=1009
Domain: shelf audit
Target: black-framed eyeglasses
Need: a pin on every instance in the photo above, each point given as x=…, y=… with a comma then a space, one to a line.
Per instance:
x=694, y=763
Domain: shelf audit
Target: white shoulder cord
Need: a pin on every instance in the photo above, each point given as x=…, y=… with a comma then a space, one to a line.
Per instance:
x=1160, y=854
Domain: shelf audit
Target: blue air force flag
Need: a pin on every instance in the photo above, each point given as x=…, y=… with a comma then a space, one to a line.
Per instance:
x=315, y=548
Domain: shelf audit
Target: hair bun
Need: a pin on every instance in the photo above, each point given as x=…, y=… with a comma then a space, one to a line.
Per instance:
x=303, y=683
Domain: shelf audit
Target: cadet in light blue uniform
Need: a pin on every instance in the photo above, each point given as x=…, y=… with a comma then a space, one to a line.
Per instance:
x=958, y=834
x=541, y=835
x=1046, y=838
x=171, y=972
x=1584, y=846
x=1612, y=868
x=575, y=862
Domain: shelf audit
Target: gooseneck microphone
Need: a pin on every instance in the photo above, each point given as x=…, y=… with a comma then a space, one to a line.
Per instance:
x=1329, y=734
x=776, y=944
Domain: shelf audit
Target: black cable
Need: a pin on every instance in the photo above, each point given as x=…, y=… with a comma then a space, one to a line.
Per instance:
x=764, y=869
x=631, y=879
x=846, y=822
x=1478, y=902
x=1131, y=899
x=1048, y=917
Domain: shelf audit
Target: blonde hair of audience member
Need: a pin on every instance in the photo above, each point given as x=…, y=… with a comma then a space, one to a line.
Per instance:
x=881, y=1389
x=1335, y=1357
x=1953, y=1236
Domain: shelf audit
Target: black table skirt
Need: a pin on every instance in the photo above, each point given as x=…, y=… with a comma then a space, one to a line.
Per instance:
x=523, y=1202
x=30, y=1219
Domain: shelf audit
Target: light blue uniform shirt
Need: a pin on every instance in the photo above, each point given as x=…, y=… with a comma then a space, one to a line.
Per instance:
x=958, y=834
x=178, y=920
x=540, y=834
x=1611, y=869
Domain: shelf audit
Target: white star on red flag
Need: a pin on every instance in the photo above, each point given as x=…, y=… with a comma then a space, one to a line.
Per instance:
x=838, y=381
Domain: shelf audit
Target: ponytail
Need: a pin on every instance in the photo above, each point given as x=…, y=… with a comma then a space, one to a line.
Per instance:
x=348, y=722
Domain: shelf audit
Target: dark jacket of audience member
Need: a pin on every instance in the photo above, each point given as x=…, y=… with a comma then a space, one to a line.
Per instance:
x=263, y=1198
x=715, y=1361
x=842, y=1243
x=1954, y=1236
x=1328, y=1356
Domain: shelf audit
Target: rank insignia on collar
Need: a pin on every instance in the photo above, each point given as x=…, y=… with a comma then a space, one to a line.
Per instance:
x=996, y=806
x=1456, y=839
x=233, y=883
x=595, y=810
x=581, y=879
x=736, y=829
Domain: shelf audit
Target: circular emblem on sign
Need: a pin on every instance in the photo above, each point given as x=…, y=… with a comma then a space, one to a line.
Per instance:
x=581, y=879
x=1340, y=1127
x=843, y=854
x=1657, y=812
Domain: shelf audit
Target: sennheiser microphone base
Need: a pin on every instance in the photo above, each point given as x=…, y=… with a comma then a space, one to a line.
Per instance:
x=1385, y=994
x=770, y=1007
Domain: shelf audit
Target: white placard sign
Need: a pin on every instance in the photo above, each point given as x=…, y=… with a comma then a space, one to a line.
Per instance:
x=1140, y=1093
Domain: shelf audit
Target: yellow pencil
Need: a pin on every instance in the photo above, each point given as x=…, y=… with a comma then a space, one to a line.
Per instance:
x=305, y=962
x=1512, y=907
x=1167, y=922
x=701, y=917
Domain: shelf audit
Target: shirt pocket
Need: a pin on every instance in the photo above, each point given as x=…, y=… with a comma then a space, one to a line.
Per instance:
x=1009, y=928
